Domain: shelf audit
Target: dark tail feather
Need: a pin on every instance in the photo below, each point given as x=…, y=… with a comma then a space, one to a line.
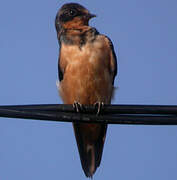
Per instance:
x=90, y=150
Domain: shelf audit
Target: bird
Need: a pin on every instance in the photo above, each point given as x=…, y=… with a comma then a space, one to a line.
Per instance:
x=87, y=67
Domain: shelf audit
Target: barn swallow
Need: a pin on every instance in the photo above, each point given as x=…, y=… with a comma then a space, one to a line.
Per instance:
x=87, y=67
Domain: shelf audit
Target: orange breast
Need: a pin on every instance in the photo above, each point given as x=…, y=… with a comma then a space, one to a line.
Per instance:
x=86, y=74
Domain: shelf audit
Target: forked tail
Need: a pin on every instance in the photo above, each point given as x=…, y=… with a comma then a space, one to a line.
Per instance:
x=90, y=141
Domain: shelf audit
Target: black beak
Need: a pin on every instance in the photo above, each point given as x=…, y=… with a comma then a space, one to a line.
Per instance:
x=91, y=16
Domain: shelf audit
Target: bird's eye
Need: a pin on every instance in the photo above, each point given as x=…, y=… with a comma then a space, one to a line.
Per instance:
x=72, y=12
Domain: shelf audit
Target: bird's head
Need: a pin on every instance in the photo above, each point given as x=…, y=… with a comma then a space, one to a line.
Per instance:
x=72, y=16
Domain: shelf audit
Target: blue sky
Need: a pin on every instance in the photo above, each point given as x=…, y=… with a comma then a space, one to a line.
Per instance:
x=144, y=34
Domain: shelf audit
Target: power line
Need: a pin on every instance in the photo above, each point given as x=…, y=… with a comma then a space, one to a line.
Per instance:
x=111, y=114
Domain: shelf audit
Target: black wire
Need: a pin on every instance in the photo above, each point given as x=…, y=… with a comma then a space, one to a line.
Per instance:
x=111, y=114
x=107, y=109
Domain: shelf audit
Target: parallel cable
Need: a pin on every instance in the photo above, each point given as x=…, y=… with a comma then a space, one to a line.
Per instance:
x=110, y=114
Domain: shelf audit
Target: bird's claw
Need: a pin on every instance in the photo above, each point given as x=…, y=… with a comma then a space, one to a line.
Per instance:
x=78, y=107
x=98, y=107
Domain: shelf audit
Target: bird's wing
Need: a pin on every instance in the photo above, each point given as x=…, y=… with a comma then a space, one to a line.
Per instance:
x=113, y=59
x=60, y=70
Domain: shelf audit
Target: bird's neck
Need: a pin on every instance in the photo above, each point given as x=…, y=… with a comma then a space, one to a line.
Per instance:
x=77, y=36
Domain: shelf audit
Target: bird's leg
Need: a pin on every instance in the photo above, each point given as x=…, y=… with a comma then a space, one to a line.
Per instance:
x=78, y=107
x=98, y=106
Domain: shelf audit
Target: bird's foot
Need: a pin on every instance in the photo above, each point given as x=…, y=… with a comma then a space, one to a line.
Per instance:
x=78, y=107
x=98, y=107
